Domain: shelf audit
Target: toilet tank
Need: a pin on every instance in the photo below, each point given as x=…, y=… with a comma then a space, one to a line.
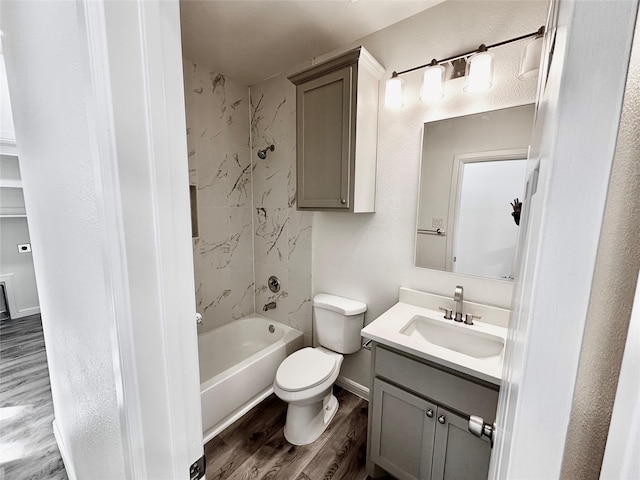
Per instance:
x=337, y=322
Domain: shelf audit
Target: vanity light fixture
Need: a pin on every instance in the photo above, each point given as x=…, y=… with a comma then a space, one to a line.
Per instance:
x=479, y=70
x=433, y=82
x=530, y=62
x=393, y=93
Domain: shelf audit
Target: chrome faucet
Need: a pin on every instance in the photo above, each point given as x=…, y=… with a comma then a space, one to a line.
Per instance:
x=458, y=298
x=269, y=306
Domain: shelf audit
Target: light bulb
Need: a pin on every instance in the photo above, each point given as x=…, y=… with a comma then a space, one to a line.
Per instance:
x=479, y=72
x=530, y=62
x=433, y=83
x=393, y=93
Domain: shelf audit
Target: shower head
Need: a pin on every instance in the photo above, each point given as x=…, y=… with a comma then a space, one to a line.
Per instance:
x=262, y=154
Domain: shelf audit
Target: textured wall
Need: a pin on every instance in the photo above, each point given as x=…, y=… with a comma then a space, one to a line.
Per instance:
x=612, y=296
x=282, y=243
x=219, y=165
x=47, y=85
x=368, y=257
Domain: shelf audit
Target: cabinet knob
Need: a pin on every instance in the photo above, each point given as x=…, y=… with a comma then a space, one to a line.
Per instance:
x=430, y=413
x=441, y=419
x=343, y=201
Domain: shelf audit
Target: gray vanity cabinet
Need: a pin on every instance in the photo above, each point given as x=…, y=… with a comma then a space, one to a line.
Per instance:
x=336, y=133
x=457, y=453
x=418, y=427
x=405, y=425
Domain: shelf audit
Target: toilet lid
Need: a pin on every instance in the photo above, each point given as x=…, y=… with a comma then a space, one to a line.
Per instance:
x=304, y=369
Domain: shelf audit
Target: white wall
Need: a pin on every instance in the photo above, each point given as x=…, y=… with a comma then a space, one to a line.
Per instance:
x=7, y=130
x=16, y=269
x=60, y=189
x=104, y=163
x=368, y=257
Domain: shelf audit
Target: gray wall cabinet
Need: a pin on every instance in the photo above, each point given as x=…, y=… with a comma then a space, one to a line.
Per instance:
x=336, y=133
x=418, y=430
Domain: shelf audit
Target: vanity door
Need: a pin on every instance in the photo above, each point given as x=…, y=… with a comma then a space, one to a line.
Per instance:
x=457, y=453
x=402, y=434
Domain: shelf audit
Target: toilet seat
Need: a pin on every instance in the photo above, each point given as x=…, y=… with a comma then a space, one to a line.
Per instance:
x=305, y=369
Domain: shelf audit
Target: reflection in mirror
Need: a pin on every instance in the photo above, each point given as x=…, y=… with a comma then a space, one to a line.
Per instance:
x=471, y=182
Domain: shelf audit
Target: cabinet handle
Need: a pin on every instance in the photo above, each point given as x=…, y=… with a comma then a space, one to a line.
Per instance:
x=430, y=413
x=441, y=419
x=343, y=201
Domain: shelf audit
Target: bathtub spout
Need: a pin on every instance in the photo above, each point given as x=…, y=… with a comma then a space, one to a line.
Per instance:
x=269, y=306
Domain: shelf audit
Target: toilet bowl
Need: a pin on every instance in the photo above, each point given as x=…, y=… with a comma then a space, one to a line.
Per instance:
x=305, y=381
x=305, y=378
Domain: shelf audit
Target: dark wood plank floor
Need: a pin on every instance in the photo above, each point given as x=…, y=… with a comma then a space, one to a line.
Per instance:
x=254, y=447
x=29, y=449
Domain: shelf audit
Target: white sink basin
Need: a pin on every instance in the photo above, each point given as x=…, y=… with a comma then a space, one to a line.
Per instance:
x=453, y=337
x=415, y=326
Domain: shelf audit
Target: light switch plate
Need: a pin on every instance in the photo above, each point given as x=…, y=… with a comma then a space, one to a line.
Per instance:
x=24, y=248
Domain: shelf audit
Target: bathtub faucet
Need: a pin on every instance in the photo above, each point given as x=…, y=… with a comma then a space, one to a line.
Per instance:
x=269, y=306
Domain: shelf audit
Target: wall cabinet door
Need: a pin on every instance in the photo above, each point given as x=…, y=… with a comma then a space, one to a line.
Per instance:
x=457, y=453
x=403, y=430
x=324, y=137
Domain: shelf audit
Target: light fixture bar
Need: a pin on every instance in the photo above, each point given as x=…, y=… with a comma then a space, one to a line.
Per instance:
x=482, y=47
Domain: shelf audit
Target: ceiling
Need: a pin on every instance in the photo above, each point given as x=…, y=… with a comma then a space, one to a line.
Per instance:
x=250, y=40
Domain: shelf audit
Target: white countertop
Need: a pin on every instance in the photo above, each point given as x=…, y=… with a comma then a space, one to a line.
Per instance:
x=387, y=327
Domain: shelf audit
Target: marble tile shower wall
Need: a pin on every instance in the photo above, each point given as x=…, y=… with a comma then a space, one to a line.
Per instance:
x=248, y=224
x=282, y=242
x=217, y=112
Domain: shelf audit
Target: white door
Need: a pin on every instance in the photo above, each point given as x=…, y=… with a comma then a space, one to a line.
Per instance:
x=485, y=233
x=570, y=161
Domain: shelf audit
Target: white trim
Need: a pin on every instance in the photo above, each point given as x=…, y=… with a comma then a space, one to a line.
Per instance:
x=91, y=16
x=353, y=387
x=64, y=453
x=26, y=312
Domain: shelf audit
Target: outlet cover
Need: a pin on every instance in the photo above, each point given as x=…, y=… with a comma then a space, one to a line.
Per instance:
x=24, y=248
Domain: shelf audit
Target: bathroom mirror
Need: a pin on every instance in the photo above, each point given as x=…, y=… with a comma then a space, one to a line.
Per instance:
x=473, y=169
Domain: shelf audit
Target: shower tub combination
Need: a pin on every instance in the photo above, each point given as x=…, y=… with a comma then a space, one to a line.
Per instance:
x=238, y=363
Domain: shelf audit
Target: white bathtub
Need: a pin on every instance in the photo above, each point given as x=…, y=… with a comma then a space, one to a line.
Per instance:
x=238, y=363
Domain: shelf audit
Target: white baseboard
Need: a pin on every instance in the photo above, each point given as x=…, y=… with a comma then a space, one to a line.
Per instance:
x=66, y=459
x=353, y=387
x=25, y=312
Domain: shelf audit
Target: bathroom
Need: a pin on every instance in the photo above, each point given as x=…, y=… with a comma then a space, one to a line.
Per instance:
x=364, y=257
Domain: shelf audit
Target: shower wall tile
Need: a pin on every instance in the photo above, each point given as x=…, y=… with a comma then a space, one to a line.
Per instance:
x=271, y=235
x=282, y=242
x=218, y=133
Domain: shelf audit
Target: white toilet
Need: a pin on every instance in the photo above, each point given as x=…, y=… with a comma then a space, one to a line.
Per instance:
x=305, y=378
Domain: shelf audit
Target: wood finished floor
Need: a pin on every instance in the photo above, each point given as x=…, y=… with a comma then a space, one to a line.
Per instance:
x=254, y=447
x=29, y=450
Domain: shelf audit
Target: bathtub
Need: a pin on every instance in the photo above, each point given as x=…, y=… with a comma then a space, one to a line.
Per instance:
x=238, y=363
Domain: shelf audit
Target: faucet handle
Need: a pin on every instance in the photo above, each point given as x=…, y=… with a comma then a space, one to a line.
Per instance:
x=447, y=313
x=468, y=318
